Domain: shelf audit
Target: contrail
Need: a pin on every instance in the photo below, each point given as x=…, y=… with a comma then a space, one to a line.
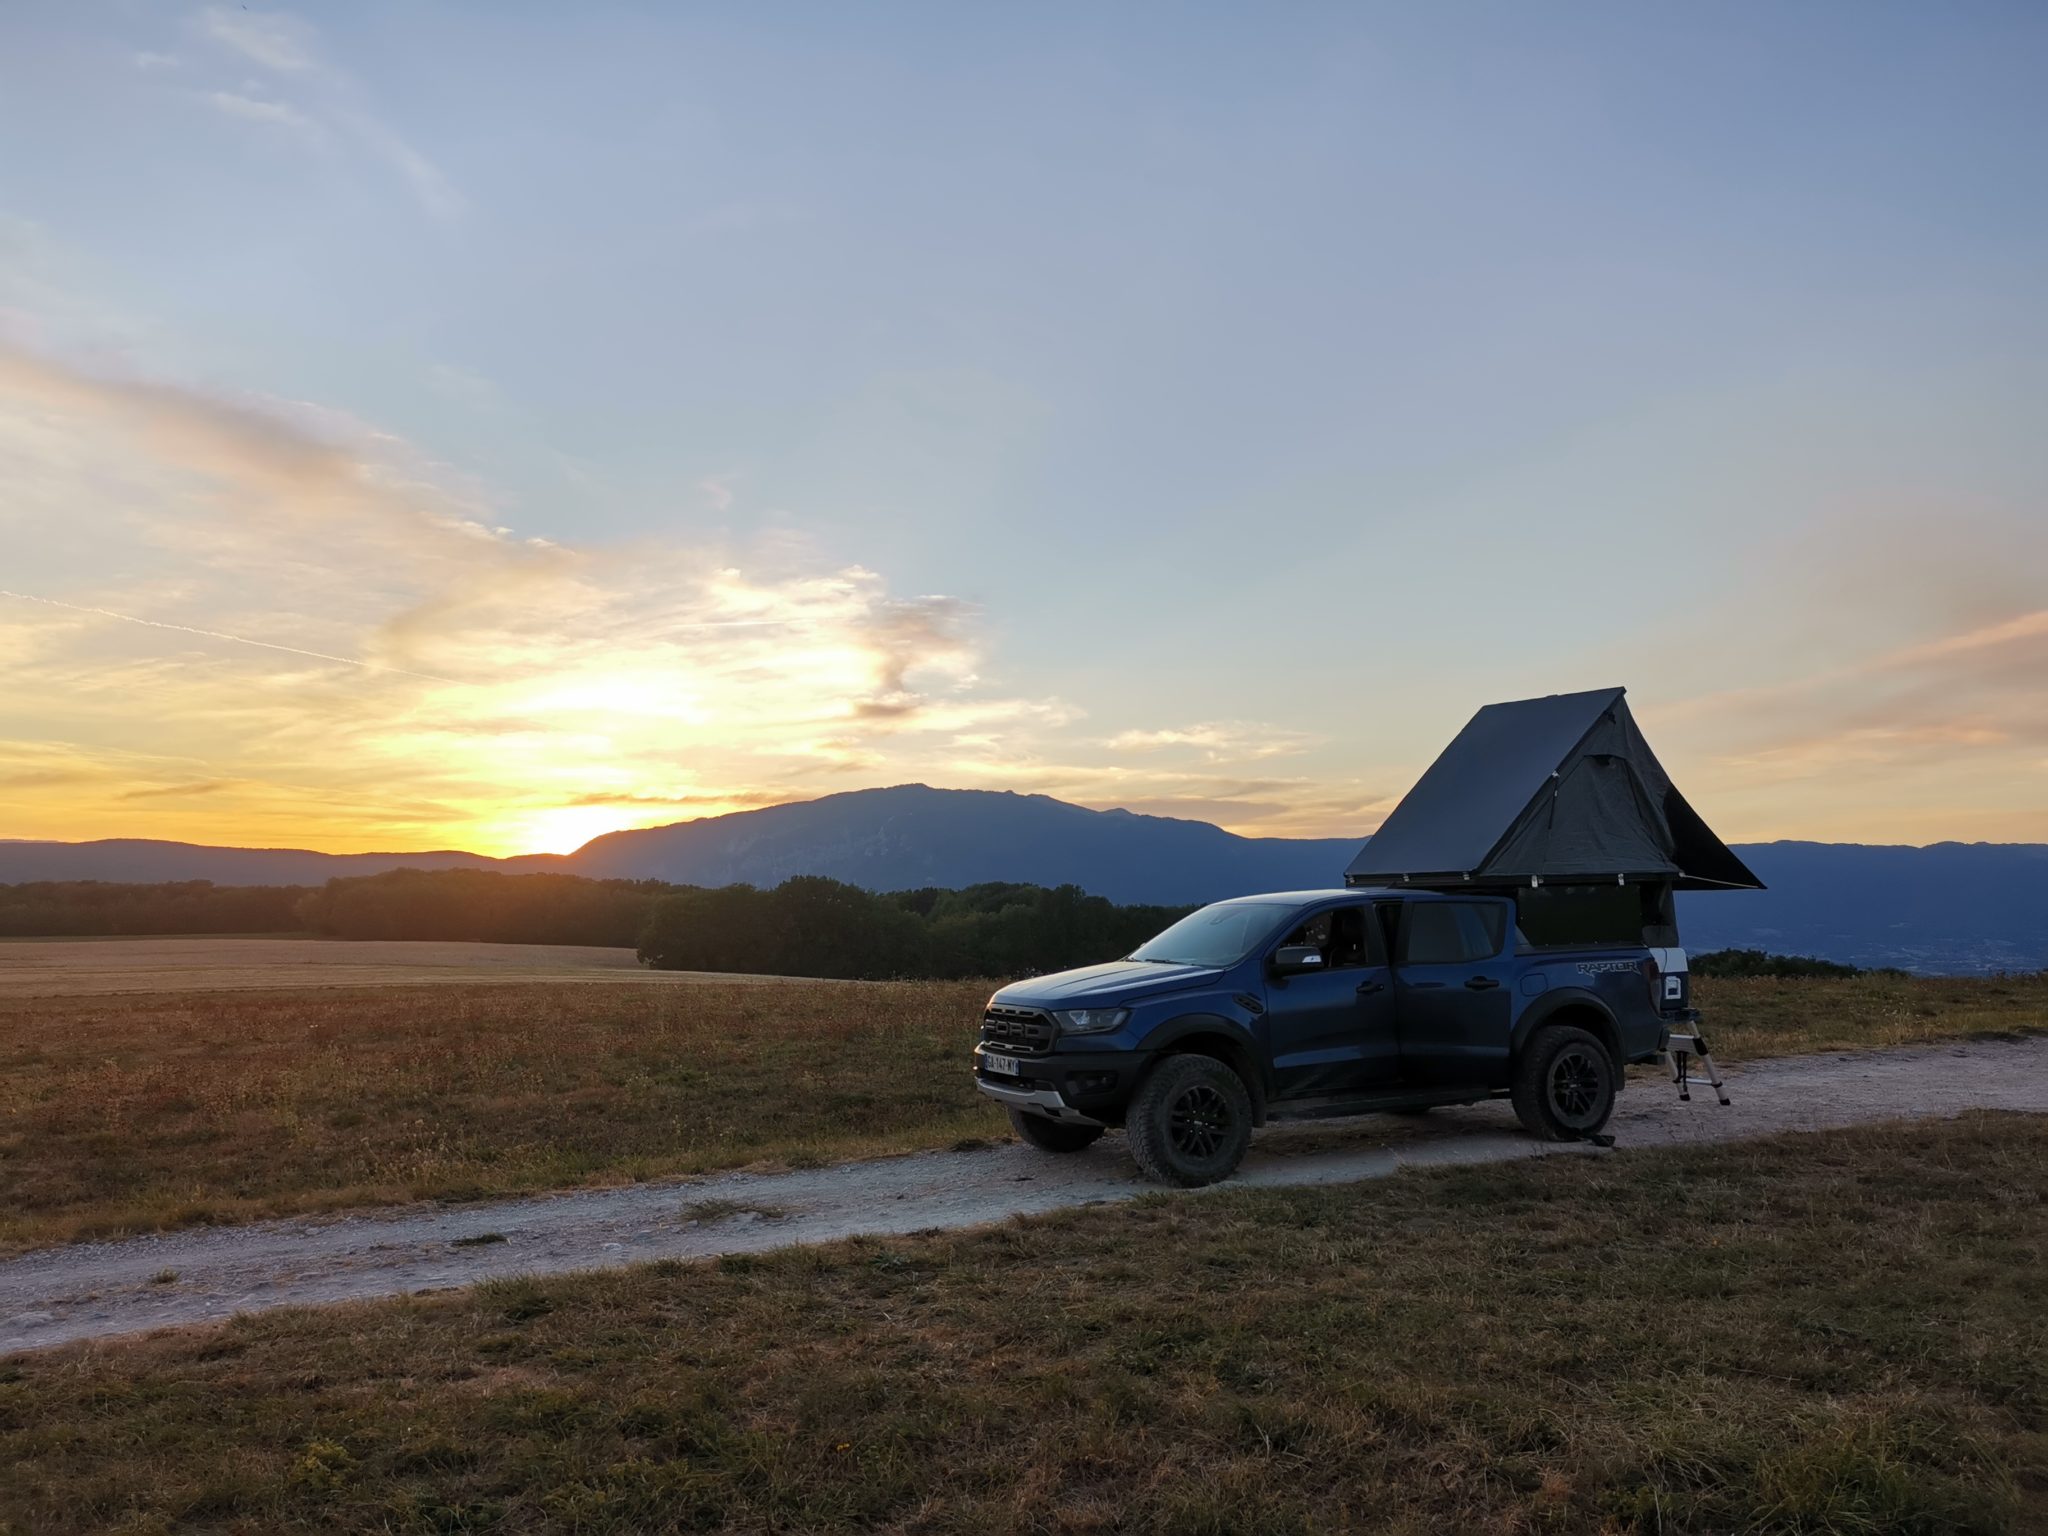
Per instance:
x=214, y=634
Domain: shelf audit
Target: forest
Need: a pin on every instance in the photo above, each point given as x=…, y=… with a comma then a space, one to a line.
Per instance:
x=806, y=926
x=51, y=909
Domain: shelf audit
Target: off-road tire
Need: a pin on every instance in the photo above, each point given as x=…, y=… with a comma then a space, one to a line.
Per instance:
x=1189, y=1122
x=1564, y=1083
x=1052, y=1135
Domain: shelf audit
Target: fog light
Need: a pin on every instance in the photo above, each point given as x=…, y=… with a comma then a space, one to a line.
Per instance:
x=1091, y=1082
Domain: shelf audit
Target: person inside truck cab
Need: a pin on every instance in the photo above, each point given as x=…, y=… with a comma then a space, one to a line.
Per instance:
x=1338, y=936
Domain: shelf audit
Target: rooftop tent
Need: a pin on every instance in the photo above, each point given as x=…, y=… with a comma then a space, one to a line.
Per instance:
x=1557, y=789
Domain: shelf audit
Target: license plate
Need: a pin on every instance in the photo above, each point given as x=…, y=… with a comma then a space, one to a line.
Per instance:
x=1006, y=1065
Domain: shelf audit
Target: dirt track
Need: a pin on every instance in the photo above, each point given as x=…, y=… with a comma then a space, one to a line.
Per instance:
x=101, y=1289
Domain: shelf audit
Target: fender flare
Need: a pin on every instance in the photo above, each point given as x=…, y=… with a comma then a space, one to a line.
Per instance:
x=1545, y=1007
x=1240, y=1050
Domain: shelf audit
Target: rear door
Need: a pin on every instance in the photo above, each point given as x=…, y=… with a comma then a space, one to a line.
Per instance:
x=1332, y=1030
x=1453, y=993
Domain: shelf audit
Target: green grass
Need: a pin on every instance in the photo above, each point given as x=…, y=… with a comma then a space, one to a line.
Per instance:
x=154, y=1111
x=1841, y=1332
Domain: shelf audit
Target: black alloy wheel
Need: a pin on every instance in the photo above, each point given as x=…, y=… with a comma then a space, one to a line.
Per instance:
x=1577, y=1082
x=1190, y=1121
x=1563, y=1083
x=1199, y=1121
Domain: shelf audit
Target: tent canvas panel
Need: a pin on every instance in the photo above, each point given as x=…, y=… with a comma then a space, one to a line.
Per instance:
x=1563, y=788
x=1595, y=820
x=1479, y=784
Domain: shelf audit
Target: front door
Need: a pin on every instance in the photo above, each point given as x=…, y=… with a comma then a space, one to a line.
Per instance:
x=1451, y=980
x=1331, y=1030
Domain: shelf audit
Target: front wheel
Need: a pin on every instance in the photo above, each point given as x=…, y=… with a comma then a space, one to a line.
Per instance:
x=1190, y=1122
x=1051, y=1135
x=1564, y=1084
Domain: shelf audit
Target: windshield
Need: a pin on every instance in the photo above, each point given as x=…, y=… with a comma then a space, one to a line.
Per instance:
x=1220, y=935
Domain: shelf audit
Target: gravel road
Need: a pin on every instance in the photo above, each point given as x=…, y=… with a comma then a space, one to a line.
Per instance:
x=201, y=1276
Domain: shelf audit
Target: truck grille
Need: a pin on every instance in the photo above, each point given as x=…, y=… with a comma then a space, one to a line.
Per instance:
x=1026, y=1031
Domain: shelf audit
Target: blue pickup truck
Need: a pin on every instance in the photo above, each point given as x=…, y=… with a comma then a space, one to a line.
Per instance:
x=1510, y=930
x=1312, y=1003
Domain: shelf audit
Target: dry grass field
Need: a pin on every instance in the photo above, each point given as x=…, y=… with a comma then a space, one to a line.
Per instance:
x=1826, y=1333
x=101, y=967
x=150, y=1110
x=123, y=1114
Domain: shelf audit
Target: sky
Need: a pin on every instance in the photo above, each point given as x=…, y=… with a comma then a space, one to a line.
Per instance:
x=489, y=425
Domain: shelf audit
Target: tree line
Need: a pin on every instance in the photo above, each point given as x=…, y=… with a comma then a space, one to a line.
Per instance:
x=481, y=906
x=812, y=926
x=1757, y=962
x=47, y=909
x=806, y=926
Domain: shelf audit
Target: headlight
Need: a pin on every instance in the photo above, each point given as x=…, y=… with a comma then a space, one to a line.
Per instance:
x=1090, y=1021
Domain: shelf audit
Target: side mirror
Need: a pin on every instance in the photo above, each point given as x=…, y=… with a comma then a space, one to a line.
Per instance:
x=1293, y=959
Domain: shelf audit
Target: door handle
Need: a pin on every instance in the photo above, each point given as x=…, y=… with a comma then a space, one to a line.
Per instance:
x=1366, y=988
x=1481, y=984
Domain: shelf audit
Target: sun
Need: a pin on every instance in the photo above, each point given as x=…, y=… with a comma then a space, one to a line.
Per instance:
x=562, y=828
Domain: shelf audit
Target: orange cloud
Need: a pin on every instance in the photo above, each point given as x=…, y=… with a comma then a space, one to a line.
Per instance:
x=318, y=643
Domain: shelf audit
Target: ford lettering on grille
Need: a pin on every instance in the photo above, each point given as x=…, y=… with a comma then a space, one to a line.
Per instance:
x=1022, y=1030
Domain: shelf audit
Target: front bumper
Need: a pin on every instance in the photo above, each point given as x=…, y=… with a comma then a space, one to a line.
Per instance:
x=1073, y=1087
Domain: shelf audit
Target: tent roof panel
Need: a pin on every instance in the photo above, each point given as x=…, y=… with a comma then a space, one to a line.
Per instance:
x=1561, y=788
x=1460, y=809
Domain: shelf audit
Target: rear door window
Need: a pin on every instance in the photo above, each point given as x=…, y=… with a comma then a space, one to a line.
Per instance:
x=1451, y=932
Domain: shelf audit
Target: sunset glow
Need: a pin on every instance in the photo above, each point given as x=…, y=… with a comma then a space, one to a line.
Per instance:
x=531, y=507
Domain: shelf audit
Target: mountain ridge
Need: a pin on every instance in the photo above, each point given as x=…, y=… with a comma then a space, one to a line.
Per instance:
x=1947, y=906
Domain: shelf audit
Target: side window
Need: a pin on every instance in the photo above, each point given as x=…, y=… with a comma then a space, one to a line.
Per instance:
x=1344, y=936
x=1315, y=933
x=1451, y=932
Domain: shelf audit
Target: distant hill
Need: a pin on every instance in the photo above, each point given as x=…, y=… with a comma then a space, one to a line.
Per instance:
x=1955, y=907
x=1949, y=907
x=147, y=860
x=897, y=839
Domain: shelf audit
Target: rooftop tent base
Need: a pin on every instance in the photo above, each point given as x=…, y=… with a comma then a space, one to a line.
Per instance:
x=1557, y=791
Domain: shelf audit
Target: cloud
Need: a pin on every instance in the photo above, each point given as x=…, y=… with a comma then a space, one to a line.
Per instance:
x=430, y=188
x=272, y=39
x=181, y=791
x=1940, y=737
x=1218, y=740
x=330, y=105
x=308, y=638
x=252, y=110
x=48, y=778
x=2008, y=632
x=717, y=490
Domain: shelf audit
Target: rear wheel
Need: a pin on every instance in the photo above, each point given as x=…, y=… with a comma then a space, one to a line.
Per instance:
x=1190, y=1122
x=1564, y=1084
x=1052, y=1135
